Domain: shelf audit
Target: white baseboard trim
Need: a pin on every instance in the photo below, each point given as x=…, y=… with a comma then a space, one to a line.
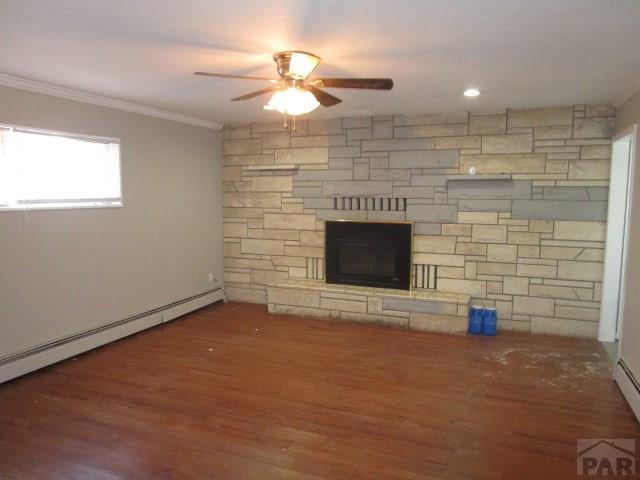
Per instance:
x=42, y=356
x=629, y=386
x=178, y=310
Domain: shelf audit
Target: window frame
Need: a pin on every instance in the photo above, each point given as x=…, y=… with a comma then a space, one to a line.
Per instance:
x=77, y=136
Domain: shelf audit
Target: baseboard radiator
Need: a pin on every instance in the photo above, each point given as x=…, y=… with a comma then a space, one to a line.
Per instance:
x=33, y=359
x=629, y=386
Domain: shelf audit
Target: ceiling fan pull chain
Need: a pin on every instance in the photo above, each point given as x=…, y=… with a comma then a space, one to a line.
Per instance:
x=293, y=128
x=285, y=120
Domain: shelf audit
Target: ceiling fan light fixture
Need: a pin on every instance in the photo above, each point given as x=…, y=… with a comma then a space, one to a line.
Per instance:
x=293, y=101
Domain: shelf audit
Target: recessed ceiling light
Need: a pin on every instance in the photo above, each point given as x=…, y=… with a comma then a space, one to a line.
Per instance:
x=471, y=92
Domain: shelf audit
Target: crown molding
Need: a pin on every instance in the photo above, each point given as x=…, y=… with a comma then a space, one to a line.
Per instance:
x=630, y=92
x=84, y=97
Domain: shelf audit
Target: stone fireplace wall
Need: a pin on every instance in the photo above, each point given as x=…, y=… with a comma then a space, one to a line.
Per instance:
x=526, y=234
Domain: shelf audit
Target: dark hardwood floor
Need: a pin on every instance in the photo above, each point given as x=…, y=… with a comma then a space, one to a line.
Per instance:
x=231, y=392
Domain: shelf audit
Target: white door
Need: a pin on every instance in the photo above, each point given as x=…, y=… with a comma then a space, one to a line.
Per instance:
x=620, y=188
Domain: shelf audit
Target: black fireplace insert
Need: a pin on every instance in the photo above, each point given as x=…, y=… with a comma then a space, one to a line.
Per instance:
x=368, y=254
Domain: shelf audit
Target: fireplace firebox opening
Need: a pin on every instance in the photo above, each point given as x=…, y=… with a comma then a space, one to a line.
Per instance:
x=368, y=254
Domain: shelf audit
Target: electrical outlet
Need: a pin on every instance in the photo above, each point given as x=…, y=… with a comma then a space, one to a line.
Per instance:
x=210, y=277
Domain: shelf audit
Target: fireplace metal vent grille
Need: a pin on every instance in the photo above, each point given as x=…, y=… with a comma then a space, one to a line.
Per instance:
x=383, y=204
x=425, y=276
x=315, y=268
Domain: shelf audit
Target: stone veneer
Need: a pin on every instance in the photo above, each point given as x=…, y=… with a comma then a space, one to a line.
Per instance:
x=529, y=241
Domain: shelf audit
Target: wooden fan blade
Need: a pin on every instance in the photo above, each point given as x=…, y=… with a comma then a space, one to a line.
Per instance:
x=256, y=93
x=325, y=99
x=368, y=83
x=242, y=77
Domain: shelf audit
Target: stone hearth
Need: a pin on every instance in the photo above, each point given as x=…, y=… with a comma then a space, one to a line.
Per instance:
x=418, y=309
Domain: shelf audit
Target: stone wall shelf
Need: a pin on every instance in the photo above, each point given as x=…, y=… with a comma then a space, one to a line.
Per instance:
x=270, y=168
x=497, y=176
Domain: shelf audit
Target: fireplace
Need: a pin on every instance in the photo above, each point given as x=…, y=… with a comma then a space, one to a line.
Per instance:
x=368, y=254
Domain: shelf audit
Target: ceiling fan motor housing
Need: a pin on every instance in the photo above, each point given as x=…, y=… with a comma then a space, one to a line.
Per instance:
x=283, y=63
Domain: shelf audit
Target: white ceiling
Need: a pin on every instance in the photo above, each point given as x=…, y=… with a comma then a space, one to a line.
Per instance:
x=519, y=53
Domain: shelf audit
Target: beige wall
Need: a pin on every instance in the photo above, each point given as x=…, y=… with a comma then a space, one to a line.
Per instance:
x=629, y=114
x=532, y=244
x=65, y=271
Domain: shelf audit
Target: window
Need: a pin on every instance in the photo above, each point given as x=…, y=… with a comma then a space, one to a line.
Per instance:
x=45, y=169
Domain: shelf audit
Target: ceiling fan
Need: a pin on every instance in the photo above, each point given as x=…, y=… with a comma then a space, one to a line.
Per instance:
x=293, y=93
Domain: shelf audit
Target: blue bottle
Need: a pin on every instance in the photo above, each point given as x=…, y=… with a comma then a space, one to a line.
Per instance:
x=476, y=316
x=490, y=321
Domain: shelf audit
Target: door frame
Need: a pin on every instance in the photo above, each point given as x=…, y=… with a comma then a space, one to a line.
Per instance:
x=610, y=325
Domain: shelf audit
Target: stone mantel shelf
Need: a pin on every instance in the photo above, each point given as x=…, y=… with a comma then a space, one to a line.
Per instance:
x=498, y=176
x=268, y=168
